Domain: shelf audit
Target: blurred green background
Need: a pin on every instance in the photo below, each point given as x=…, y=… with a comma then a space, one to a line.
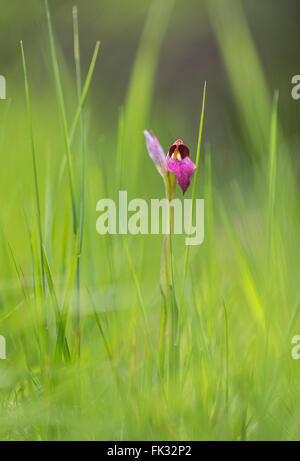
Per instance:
x=153, y=61
x=191, y=52
x=189, y=55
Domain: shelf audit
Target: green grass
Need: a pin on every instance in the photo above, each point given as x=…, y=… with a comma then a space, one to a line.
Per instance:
x=81, y=313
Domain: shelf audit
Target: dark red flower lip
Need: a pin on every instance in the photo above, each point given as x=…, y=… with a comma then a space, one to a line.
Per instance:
x=180, y=164
x=178, y=150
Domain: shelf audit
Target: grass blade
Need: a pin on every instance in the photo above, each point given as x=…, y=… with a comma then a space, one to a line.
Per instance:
x=272, y=174
x=61, y=336
x=195, y=179
x=84, y=91
x=55, y=303
x=36, y=184
x=78, y=83
x=61, y=104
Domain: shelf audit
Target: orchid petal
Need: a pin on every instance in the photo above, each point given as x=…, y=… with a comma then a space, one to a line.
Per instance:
x=156, y=153
x=183, y=170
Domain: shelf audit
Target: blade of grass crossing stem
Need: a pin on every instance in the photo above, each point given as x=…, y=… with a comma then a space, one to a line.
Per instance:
x=84, y=92
x=36, y=184
x=79, y=90
x=61, y=336
x=61, y=104
x=55, y=303
x=51, y=289
x=36, y=269
x=272, y=174
x=41, y=302
x=195, y=179
x=81, y=104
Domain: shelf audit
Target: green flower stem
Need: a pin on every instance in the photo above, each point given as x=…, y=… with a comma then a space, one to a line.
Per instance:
x=168, y=340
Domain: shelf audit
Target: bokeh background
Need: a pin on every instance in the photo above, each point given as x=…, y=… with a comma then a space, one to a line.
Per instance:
x=189, y=55
x=153, y=61
x=195, y=47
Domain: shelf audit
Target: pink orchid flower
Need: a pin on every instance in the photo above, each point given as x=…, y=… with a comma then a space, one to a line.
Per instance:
x=180, y=164
x=177, y=161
